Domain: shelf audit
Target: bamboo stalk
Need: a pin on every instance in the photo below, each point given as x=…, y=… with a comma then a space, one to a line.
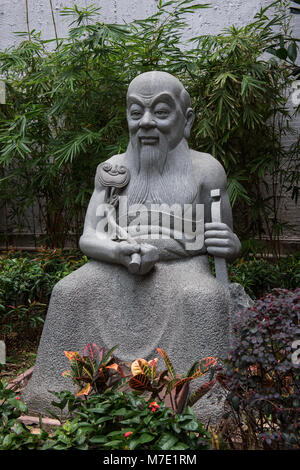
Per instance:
x=53, y=21
x=27, y=20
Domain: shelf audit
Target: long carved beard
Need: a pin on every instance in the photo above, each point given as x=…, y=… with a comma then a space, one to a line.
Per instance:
x=158, y=178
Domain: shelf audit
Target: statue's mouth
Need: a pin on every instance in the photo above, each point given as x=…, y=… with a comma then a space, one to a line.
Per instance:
x=148, y=140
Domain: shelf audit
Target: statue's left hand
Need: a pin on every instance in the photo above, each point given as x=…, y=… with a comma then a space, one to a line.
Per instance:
x=220, y=241
x=149, y=256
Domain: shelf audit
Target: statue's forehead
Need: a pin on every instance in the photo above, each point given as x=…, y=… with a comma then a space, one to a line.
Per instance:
x=148, y=90
x=149, y=99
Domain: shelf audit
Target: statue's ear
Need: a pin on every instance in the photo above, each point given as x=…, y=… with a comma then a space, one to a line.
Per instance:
x=190, y=116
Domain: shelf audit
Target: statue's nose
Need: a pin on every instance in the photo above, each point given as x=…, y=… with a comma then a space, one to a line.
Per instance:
x=147, y=122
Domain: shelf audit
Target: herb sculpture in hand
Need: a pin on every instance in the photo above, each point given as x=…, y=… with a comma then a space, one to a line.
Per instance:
x=148, y=232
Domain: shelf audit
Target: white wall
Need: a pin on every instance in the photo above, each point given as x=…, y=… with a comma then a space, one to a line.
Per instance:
x=222, y=13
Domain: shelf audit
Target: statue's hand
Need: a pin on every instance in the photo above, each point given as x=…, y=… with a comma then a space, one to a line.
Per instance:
x=220, y=240
x=149, y=256
x=124, y=250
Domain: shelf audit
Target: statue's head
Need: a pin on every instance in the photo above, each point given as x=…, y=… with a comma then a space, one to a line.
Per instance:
x=158, y=110
x=159, y=118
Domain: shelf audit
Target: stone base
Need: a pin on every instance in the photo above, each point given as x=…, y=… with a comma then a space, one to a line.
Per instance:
x=240, y=301
x=179, y=307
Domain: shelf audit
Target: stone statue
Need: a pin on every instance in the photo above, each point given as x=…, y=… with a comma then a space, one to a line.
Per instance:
x=164, y=170
x=136, y=292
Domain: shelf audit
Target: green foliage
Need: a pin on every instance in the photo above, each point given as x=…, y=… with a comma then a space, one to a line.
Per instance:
x=260, y=275
x=26, y=283
x=110, y=421
x=126, y=421
x=13, y=434
x=242, y=116
x=65, y=111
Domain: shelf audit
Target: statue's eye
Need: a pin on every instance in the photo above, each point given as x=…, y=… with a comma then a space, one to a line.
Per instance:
x=162, y=112
x=135, y=114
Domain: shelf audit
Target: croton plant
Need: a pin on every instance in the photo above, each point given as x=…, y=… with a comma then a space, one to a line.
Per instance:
x=94, y=371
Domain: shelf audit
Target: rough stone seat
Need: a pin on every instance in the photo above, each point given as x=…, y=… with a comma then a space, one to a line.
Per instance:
x=179, y=307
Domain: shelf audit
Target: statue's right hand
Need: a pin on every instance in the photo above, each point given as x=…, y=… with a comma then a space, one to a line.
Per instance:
x=149, y=256
x=124, y=250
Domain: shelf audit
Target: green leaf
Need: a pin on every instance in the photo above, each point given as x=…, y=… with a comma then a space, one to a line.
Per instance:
x=180, y=446
x=98, y=439
x=103, y=419
x=49, y=444
x=146, y=437
x=143, y=439
x=120, y=412
x=18, y=404
x=167, y=441
x=281, y=53
x=113, y=444
x=18, y=428
x=192, y=369
x=108, y=355
x=146, y=369
x=292, y=51
x=7, y=440
x=80, y=436
x=190, y=426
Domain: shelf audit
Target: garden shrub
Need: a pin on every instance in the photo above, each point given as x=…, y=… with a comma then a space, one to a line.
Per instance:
x=109, y=421
x=261, y=375
x=26, y=282
x=260, y=275
x=96, y=371
x=104, y=415
x=14, y=435
x=124, y=420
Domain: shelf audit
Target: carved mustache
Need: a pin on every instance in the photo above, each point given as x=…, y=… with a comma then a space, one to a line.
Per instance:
x=148, y=135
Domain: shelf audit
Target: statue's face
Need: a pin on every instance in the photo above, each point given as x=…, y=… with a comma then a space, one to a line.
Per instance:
x=155, y=115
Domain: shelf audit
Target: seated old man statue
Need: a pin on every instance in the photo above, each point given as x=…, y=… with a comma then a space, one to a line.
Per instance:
x=142, y=292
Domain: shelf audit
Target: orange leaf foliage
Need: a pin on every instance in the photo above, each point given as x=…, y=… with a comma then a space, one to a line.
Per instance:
x=72, y=354
x=135, y=366
x=140, y=382
x=117, y=368
x=84, y=391
x=204, y=366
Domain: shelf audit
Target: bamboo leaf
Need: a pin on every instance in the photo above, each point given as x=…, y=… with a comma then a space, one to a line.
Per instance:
x=292, y=51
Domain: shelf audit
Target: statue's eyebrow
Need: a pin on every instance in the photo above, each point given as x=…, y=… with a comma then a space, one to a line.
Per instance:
x=133, y=99
x=164, y=96
x=140, y=100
